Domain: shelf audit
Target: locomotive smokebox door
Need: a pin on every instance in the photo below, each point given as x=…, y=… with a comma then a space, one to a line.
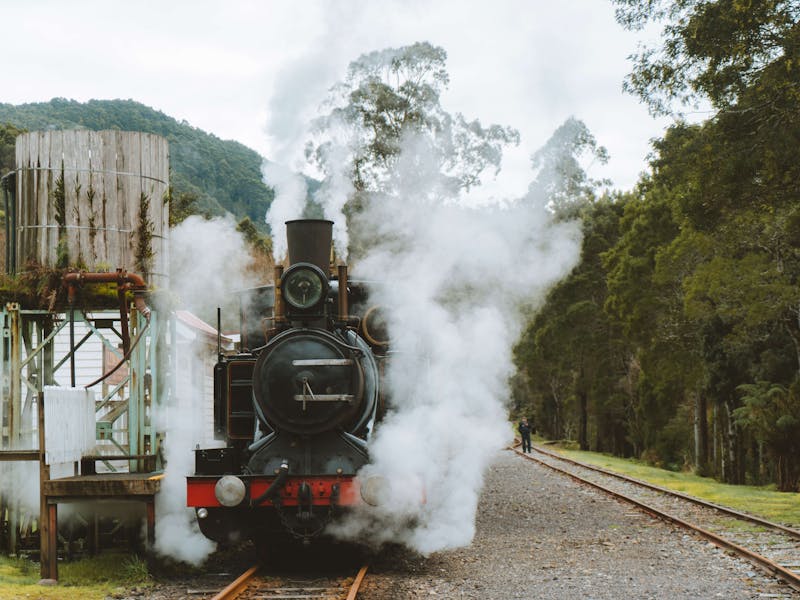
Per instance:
x=307, y=383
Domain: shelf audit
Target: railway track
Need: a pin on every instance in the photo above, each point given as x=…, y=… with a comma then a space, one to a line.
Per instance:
x=251, y=585
x=771, y=546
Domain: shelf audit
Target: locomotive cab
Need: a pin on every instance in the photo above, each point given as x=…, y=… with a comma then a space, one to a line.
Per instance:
x=295, y=407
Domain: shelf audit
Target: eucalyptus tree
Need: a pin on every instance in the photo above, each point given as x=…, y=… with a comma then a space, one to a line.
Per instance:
x=710, y=50
x=568, y=352
x=737, y=210
x=572, y=350
x=735, y=191
x=560, y=182
x=387, y=131
x=645, y=295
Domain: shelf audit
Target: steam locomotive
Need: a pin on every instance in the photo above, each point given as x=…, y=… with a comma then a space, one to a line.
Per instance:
x=296, y=407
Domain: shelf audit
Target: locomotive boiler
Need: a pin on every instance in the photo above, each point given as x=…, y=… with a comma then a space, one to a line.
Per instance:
x=295, y=408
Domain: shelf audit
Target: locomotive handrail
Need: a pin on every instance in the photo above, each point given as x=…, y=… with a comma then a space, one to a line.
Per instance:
x=322, y=362
x=324, y=398
x=312, y=397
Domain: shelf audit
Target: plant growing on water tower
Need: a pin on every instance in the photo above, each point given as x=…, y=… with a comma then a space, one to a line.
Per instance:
x=144, y=229
x=77, y=214
x=60, y=202
x=90, y=195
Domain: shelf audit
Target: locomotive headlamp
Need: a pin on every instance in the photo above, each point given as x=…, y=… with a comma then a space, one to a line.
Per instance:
x=304, y=286
x=230, y=491
x=376, y=490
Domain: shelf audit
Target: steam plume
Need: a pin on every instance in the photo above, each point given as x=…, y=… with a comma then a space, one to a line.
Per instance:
x=337, y=187
x=209, y=259
x=455, y=281
x=289, y=202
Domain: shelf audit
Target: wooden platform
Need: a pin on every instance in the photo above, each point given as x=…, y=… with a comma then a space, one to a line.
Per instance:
x=141, y=487
x=119, y=486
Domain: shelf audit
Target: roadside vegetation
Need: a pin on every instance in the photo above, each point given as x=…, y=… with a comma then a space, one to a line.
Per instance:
x=762, y=501
x=88, y=579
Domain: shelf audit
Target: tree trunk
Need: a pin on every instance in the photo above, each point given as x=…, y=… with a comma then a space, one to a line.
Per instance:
x=733, y=473
x=583, y=427
x=724, y=445
x=700, y=434
x=558, y=430
x=787, y=473
x=793, y=328
x=633, y=410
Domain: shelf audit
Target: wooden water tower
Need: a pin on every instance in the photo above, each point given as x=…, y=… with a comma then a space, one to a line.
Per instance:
x=93, y=200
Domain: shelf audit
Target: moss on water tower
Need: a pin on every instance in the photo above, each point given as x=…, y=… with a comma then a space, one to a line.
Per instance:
x=92, y=200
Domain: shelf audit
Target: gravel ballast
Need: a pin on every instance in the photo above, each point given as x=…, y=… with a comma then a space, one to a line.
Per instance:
x=542, y=535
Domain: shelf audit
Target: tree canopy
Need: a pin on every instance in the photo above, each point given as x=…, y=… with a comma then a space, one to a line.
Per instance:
x=711, y=50
x=696, y=276
x=560, y=180
x=387, y=131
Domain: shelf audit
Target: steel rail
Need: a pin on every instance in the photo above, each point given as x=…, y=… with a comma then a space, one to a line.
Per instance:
x=353, y=593
x=791, y=578
x=237, y=586
x=704, y=503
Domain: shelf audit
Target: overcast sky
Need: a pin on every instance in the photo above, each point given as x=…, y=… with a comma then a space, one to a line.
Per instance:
x=255, y=71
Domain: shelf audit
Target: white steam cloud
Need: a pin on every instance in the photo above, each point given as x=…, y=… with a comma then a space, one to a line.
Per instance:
x=337, y=187
x=303, y=81
x=291, y=193
x=209, y=259
x=177, y=533
x=289, y=202
x=454, y=281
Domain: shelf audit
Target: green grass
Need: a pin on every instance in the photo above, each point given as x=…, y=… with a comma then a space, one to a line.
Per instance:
x=763, y=501
x=89, y=579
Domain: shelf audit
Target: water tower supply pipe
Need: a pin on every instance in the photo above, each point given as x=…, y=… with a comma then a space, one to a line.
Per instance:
x=124, y=280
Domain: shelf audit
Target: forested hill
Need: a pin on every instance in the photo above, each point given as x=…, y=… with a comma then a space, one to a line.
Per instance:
x=221, y=175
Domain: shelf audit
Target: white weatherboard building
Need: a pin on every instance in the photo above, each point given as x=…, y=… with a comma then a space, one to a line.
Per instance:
x=195, y=353
x=196, y=343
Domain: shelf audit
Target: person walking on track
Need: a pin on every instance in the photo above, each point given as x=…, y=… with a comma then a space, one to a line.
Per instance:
x=525, y=432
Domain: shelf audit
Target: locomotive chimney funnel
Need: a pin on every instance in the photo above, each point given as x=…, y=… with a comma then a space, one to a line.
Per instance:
x=309, y=240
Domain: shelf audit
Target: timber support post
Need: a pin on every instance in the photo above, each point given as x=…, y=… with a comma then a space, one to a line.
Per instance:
x=48, y=538
x=151, y=522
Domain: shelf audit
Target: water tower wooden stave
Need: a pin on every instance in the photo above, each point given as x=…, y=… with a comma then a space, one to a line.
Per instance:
x=94, y=200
